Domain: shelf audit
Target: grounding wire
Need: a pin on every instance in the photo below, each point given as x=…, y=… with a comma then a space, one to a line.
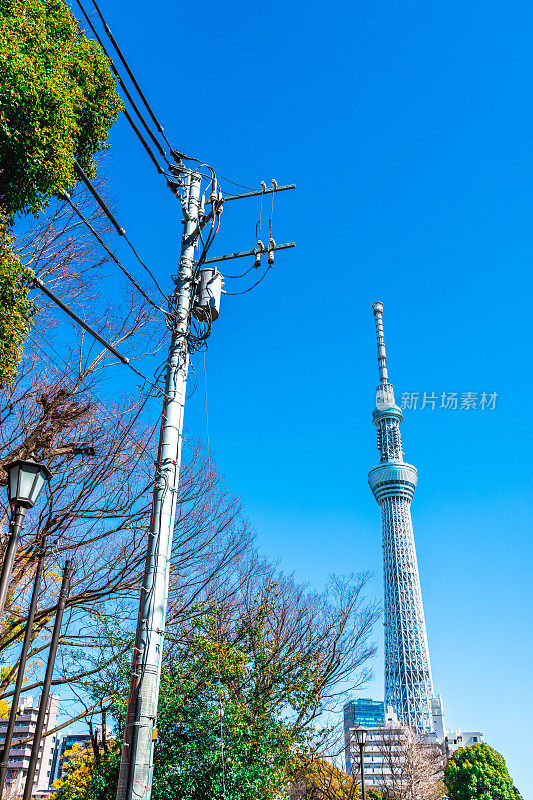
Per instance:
x=128, y=96
x=112, y=255
x=130, y=73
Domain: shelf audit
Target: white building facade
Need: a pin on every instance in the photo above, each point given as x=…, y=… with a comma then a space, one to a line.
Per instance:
x=19, y=755
x=379, y=760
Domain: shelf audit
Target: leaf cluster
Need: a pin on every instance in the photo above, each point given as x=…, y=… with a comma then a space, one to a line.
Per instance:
x=479, y=772
x=57, y=102
x=16, y=307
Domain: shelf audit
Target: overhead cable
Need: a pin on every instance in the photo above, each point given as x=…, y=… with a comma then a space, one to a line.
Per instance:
x=130, y=277
x=81, y=174
x=120, y=230
x=130, y=73
x=130, y=99
x=139, y=259
x=88, y=388
x=72, y=314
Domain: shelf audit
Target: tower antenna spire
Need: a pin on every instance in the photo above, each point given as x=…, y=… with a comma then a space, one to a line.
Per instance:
x=408, y=682
x=382, y=353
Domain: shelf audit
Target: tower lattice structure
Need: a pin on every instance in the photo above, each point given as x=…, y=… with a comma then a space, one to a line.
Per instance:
x=408, y=681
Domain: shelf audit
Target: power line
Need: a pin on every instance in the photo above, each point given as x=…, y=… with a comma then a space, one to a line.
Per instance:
x=130, y=73
x=120, y=230
x=141, y=262
x=72, y=314
x=113, y=256
x=131, y=100
x=175, y=153
x=81, y=174
x=91, y=391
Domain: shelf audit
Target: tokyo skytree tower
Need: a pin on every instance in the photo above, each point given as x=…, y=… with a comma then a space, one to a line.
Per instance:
x=408, y=682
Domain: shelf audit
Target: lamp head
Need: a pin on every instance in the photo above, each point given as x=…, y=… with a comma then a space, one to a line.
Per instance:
x=25, y=480
x=360, y=735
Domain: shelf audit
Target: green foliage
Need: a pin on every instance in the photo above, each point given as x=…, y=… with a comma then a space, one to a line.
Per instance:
x=269, y=660
x=190, y=762
x=16, y=308
x=479, y=772
x=57, y=101
x=85, y=779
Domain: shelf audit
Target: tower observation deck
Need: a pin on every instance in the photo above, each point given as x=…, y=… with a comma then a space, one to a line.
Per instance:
x=408, y=682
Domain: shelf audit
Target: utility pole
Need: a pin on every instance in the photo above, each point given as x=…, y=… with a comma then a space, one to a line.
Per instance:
x=136, y=765
x=195, y=292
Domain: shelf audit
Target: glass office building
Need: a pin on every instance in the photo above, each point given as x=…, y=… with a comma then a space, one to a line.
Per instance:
x=363, y=711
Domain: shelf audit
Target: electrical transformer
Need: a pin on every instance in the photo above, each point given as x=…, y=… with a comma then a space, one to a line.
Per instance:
x=207, y=303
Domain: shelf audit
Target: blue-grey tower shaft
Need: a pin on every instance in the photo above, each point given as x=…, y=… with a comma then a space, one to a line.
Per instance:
x=408, y=682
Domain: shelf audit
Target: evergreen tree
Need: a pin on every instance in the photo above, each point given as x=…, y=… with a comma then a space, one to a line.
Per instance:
x=479, y=772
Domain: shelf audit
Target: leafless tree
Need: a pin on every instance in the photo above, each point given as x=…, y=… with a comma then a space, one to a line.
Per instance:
x=413, y=765
x=101, y=448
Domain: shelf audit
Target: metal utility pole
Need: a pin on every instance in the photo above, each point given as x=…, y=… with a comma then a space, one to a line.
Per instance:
x=22, y=663
x=136, y=765
x=43, y=703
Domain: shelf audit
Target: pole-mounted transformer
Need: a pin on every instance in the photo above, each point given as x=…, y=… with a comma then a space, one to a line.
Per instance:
x=207, y=301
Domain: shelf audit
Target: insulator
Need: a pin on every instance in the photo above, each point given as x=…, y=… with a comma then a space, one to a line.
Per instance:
x=257, y=262
x=271, y=245
x=214, y=192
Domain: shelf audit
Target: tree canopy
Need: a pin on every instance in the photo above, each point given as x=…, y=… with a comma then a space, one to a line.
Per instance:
x=242, y=687
x=16, y=308
x=479, y=772
x=57, y=102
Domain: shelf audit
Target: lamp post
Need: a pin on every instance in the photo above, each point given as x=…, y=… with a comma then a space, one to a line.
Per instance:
x=360, y=737
x=25, y=480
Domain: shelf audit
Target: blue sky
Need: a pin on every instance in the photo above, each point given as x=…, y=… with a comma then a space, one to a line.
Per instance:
x=408, y=129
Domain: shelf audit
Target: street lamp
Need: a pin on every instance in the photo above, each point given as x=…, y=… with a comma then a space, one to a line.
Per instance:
x=25, y=480
x=360, y=737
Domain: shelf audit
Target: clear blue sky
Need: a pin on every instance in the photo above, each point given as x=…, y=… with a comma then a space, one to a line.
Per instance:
x=408, y=129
